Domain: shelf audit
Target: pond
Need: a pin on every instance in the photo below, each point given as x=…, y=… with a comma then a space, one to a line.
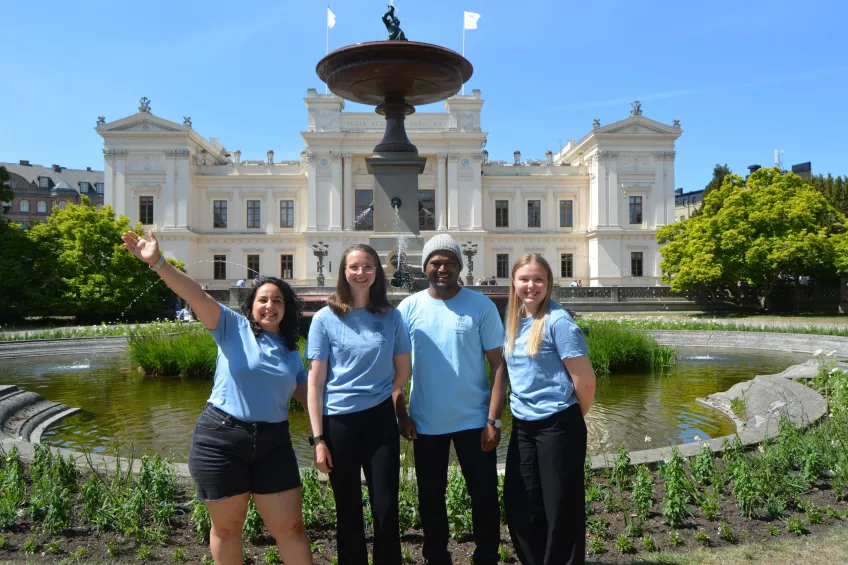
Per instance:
x=120, y=407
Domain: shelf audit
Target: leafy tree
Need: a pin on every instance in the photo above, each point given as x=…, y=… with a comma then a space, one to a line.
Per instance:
x=21, y=291
x=719, y=172
x=6, y=193
x=772, y=227
x=92, y=276
x=835, y=189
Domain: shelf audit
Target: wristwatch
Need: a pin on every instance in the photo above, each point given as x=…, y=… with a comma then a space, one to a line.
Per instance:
x=496, y=422
x=158, y=264
x=315, y=439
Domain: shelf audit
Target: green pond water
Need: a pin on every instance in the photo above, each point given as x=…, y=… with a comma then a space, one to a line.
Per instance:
x=121, y=407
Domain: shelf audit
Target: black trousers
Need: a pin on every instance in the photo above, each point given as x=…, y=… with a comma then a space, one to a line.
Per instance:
x=366, y=440
x=481, y=475
x=543, y=489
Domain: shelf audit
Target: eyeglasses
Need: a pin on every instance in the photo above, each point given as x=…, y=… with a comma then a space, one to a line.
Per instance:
x=367, y=269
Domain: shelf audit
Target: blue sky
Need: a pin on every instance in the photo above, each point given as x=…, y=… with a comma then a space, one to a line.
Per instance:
x=744, y=77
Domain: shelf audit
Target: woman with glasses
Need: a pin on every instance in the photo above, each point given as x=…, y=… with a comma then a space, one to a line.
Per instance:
x=360, y=355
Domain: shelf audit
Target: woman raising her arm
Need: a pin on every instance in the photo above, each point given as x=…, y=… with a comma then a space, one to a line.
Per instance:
x=241, y=443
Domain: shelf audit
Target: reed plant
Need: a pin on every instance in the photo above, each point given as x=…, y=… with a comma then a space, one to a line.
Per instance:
x=614, y=348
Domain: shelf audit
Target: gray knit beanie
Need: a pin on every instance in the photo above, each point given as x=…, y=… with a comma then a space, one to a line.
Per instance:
x=441, y=242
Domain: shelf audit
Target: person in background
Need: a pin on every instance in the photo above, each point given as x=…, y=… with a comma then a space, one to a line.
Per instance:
x=241, y=444
x=241, y=283
x=454, y=331
x=552, y=387
x=359, y=350
x=493, y=281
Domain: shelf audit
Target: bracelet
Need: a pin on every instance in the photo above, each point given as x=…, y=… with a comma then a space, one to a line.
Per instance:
x=158, y=264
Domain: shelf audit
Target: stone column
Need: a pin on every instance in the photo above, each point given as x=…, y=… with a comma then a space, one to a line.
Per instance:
x=108, y=180
x=551, y=216
x=347, y=192
x=518, y=214
x=121, y=186
x=477, y=191
x=270, y=213
x=336, y=192
x=312, y=192
x=181, y=193
x=453, y=191
x=235, y=219
x=168, y=216
x=441, y=192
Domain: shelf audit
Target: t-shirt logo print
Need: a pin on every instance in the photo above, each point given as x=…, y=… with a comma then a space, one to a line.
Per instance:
x=378, y=333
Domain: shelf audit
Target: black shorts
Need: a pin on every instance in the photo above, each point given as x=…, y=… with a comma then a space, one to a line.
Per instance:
x=229, y=456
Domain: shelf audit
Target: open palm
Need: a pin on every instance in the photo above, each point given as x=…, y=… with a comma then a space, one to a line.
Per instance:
x=146, y=249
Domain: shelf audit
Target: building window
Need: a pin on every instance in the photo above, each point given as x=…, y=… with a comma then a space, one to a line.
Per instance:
x=98, y=187
x=636, y=264
x=426, y=209
x=566, y=266
x=364, y=220
x=24, y=206
x=286, y=266
x=219, y=267
x=566, y=213
x=635, y=209
x=43, y=182
x=63, y=205
x=253, y=213
x=41, y=207
x=145, y=209
x=287, y=213
x=99, y=206
x=84, y=187
x=682, y=217
x=534, y=213
x=501, y=213
x=219, y=213
x=252, y=266
x=502, y=265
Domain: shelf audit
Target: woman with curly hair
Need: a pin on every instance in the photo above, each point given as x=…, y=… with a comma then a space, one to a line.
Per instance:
x=241, y=444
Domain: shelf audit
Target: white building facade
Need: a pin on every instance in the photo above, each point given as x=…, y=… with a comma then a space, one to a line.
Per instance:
x=592, y=210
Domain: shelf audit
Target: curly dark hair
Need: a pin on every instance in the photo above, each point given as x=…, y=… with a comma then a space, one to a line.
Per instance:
x=341, y=301
x=291, y=317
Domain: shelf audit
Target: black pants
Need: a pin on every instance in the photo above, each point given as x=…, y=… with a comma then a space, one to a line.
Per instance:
x=366, y=440
x=543, y=489
x=481, y=475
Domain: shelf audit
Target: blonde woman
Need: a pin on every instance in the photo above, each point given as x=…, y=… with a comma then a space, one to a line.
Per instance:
x=552, y=389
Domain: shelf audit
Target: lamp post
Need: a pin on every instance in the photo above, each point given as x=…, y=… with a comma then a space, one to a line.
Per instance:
x=469, y=250
x=320, y=251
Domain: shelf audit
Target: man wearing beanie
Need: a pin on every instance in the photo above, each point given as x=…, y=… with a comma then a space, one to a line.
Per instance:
x=453, y=331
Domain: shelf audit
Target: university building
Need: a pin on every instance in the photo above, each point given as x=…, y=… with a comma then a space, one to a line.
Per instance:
x=39, y=189
x=591, y=209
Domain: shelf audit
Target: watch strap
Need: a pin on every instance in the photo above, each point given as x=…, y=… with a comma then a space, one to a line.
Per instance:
x=158, y=264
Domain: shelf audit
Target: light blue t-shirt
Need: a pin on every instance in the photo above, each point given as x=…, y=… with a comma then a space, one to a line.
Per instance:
x=360, y=348
x=540, y=385
x=255, y=377
x=450, y=386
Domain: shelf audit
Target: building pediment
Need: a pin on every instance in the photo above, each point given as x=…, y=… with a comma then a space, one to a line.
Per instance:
x=142, y=123
x=637, y=125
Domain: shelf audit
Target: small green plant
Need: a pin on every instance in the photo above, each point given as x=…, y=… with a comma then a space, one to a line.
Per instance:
x=814, y=513
x=776, y=506
x=624, y=544
x=649, y=544
x=30, y=546
x=677, y=491
x=833, y=513
x=597, y=526
x=4, y=542
x=334, y=560
x=316, y=547
x=632, y=526
x=702, y=537
x=272, y=555
x=710, y=504
x=144, y=552
x=79, y=553
x=726, y=533
x=746, y=490
x=178, y=555
x=622, y=469
x=739, y=406
x=596, y=546
x=773, y=530
x=675, y=538
x=53, y=548
x=407, y=558
x=206, y=560
x=703, y=465
x=113, y=547
x=796, y=526
x=643, y=492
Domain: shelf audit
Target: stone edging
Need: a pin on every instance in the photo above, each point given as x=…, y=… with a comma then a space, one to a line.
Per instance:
x=24, y=348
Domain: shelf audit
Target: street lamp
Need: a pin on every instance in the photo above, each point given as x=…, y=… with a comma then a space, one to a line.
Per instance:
x=320, y=251
x=469, y=250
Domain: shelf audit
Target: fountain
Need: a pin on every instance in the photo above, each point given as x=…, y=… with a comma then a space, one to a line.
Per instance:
x=395, y=76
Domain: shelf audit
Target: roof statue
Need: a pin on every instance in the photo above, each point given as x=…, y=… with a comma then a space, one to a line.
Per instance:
x=145, y=105
x=101, y=120
x=636, y=108
x=187, y=121
x=393, y=25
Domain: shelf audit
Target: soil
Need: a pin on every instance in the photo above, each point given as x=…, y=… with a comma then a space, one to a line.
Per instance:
x=182, y=536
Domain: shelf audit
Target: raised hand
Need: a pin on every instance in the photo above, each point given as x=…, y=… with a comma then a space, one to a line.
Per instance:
x=146, y=249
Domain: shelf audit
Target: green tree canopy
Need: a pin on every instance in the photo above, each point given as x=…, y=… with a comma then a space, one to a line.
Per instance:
x=88, y=272
x=6, y=193
x=835, y=189
x=774, y=226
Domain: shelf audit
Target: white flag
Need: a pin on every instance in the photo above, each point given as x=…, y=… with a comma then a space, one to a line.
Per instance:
x=471, y=20
x=331, y=19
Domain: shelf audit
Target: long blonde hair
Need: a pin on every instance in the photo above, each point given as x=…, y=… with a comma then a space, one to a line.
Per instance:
x=513, y=307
